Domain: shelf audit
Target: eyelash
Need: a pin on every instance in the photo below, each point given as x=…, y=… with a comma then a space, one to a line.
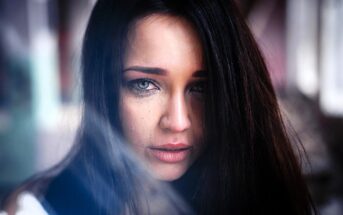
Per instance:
x=133, y=85
x=197, y=88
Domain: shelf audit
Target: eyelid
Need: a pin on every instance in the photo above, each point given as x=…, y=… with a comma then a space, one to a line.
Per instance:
x=148, y=80
x=132, y=86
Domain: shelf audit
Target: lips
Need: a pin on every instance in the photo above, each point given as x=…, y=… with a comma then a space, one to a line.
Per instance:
x=171, y=153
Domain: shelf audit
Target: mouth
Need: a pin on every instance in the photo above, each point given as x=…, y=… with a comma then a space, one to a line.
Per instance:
x=171, y=153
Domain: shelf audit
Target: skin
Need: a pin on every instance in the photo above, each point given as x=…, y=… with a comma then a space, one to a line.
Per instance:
x=162, y=94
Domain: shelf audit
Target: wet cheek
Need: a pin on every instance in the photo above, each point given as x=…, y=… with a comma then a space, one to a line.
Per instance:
x=139, y=121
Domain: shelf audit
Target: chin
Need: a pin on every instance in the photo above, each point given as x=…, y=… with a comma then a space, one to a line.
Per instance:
x=169, y=173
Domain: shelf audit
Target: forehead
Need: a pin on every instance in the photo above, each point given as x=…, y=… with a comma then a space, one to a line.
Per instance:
x=164, y=40
x=156, y=22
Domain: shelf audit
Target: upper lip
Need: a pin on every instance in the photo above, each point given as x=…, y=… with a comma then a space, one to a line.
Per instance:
x=172, y=147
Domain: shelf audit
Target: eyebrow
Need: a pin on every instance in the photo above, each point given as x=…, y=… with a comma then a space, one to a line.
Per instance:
x=160, y=71
x=147, y=70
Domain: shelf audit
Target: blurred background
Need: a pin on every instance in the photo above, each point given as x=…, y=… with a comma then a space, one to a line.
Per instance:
x=40, y=106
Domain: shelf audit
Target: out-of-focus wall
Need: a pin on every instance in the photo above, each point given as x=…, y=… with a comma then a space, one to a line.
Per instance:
x=40, y=42
x=17, y=129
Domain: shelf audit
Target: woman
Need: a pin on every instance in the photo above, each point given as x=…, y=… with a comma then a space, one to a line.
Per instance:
x=185, y=87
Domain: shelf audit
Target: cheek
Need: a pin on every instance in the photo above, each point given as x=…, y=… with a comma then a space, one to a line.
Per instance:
x=138, y=120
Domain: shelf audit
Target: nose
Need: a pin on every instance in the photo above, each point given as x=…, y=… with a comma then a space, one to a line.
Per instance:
x=176, y=116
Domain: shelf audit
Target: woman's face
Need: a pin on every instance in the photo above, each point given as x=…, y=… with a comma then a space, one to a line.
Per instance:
x=162, y=94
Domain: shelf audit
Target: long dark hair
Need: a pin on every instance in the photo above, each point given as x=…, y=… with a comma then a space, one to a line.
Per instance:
x=250, y=167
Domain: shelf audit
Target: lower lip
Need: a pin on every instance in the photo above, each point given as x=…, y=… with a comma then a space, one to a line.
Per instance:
x=171, y=156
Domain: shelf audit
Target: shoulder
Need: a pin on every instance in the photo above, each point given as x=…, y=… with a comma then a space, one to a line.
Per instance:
x=24, y=203
x=63, y=193
x=26, y=191
x=70, y=193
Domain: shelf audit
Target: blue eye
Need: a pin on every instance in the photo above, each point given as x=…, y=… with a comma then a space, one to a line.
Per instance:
x=142, y=86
